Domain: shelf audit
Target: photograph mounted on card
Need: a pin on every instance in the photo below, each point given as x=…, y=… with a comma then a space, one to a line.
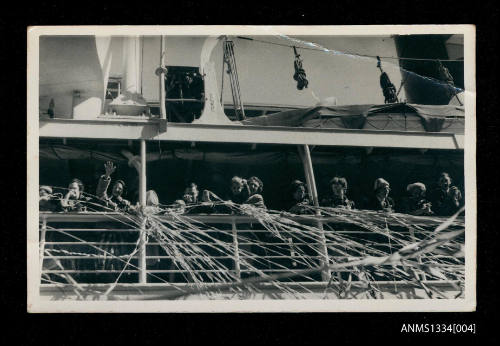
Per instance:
x=235, y=168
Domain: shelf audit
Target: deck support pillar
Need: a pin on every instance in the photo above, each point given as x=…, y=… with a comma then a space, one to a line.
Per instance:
x=311, y=186
x=142, y=201
x=161, y=73
x=42, y=243
x=237, y=268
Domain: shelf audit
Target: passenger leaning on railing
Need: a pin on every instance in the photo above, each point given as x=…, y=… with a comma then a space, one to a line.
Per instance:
x=416, y=203
x=255, y=186
x=247, y=192
x=239, y=190
x=115, y=201
x=191, y=200
x=446, y=199
x=191, y=194
x=192, y=203
x=152, y=205
x=300, y=203
x=380, y=199
x=179, y=206
x=338, y=197
x=152, y=202
x=48, y=201
x=74, y=200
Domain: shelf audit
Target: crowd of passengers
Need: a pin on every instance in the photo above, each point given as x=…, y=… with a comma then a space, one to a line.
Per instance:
x=445, y=200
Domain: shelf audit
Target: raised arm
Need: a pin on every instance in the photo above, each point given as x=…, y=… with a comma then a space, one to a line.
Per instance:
x=65, y=202
x=209, y=196
x=246, y=187
x=105, y=180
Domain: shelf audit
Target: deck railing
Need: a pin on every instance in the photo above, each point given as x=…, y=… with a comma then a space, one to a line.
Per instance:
x=100, y=248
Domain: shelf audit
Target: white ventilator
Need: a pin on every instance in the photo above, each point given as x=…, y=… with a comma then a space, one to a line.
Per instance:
x=213, y=113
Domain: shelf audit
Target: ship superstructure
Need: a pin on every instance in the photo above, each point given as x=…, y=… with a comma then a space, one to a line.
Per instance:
x=181, y=109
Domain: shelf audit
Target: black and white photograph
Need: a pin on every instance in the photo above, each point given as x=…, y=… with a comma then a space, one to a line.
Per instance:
x=235, y=169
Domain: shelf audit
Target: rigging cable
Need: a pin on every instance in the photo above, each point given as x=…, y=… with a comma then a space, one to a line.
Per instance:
x=446, y=77
x=325, y=50
x=230, y=60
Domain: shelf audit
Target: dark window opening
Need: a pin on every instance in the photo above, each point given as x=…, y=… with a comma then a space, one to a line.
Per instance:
x=184, y=93
x=114, y=88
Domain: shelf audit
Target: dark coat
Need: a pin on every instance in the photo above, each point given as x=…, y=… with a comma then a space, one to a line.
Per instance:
x=116, y=203
x=78, y=205
x=256, y=200
x=444, y=203
x=387, y=204
x=302, y=207
x=410, y=205
x=48, y=204
x=242, y=197
x=336, y=202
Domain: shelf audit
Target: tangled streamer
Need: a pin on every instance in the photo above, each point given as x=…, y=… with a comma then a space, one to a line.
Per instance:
x=345, y=254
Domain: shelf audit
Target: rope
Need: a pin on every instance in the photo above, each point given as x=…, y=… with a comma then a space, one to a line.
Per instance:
x=326, y=50
x=402, y=84
x=356, y=252
x=87, y=255
x=230, y=59
x=222, y=78
x=111, y=255
x=445, y=76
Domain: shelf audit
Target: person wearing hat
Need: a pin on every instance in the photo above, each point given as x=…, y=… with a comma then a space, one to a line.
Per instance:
x=46, y=200
x=300, y=201
x=446, y=199
x=115, y=201
x=45, y=190
x=338, y=197
x=415, y=203
x=380, y=199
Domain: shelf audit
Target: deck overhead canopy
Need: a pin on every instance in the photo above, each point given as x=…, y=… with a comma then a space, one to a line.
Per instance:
x=134, y=130
x=355, y=116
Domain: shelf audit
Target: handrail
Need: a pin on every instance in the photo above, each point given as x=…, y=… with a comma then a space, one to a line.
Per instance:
x=223, y=218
